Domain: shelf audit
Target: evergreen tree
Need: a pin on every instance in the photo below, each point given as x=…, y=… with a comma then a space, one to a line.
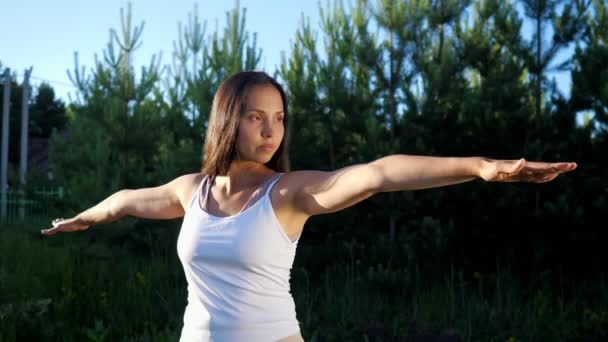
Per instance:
x=116, y=128
x=46, y=112
x=419, y=54
x=590, y=96
x=567, y=27
x=200, y=64
x=497, y=105
x=590, y=72
x=299, y=72
x=332, y=106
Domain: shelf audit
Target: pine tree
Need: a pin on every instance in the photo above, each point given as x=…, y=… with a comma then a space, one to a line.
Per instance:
x=299, y=72
x=333, y=104
x=419, y=54
x=46, y=112
x=116, y=127
x=590, y=72
x=497, y=106
x=201, y=63
x=567, y=27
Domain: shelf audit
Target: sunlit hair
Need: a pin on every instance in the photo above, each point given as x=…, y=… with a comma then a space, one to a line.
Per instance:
x=220, y=147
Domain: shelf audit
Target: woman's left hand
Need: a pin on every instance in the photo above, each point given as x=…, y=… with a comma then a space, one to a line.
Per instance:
x=522, y=170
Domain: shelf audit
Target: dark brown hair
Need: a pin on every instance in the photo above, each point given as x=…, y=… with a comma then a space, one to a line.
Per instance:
x=220, y=147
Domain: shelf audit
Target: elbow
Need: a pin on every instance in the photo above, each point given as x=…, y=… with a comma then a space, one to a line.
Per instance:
x=117, y=206
x=376, y=177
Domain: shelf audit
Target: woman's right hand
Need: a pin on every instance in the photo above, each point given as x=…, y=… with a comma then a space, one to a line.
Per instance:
x=65, y=225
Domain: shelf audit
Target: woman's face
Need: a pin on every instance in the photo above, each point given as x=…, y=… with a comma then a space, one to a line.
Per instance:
x=261, y=124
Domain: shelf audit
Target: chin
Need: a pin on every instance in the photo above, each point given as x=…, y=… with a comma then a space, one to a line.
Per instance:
x=260, y=159
x=265, y=160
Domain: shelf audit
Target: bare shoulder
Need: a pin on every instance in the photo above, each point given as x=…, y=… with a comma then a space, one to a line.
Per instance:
x=314, y=192
x=185, y=186
x=293, y=182
x=287, y=189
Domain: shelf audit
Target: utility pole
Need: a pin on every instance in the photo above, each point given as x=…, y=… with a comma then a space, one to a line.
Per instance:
x=24, y=133
x=4, y=161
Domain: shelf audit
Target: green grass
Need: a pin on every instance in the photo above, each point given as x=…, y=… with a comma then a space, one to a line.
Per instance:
x=68, y=288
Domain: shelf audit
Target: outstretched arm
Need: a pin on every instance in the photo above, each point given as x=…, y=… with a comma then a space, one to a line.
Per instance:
x=167, y=201
x=318, y=192
x=408, y=172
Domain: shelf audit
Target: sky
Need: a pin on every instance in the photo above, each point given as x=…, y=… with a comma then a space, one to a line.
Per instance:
x=45, y=34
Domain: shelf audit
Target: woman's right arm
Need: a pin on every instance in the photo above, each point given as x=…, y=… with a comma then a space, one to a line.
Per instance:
x=162, y=202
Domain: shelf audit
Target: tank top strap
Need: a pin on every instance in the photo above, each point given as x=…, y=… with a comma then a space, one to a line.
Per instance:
x=258, y=194
x=271, y=183
x=205, y=189
x=197, y=191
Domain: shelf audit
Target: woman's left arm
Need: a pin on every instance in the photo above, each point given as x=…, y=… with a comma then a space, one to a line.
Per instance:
x=318, y=192
x=401, y=172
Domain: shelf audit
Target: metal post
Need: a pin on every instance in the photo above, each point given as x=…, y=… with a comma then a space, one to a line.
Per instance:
x=4, y=161
x=24, y=133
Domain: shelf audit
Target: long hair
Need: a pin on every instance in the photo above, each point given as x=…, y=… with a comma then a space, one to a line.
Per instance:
x=220, y=147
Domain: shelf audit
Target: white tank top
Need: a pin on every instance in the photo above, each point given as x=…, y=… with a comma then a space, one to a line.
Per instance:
x=238, y=270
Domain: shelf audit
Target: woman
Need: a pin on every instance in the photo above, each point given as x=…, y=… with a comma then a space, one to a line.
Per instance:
x=245, y=211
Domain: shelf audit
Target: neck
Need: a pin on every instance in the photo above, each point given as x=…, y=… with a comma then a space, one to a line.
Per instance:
x=242, y=175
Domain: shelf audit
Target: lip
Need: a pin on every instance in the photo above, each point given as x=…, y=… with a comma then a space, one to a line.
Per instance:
x=267, y=147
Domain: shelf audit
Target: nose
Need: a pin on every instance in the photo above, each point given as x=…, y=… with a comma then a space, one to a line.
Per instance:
x=267, y=130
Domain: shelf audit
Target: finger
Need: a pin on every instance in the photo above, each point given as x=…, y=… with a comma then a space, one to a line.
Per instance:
x=49, y=231
x=58, y=226
x=539, y=167
x=569, y=166
x=561, y=166
x=541, y=172
x=551, y=166
x=548, y=178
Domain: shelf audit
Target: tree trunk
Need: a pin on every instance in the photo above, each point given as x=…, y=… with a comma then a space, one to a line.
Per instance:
x=539, y=68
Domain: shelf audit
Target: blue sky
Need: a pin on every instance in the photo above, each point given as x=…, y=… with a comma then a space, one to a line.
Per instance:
x=45, y=34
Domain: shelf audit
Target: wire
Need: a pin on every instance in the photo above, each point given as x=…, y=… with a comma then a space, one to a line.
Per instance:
x=55, y=82
x=60, y=83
